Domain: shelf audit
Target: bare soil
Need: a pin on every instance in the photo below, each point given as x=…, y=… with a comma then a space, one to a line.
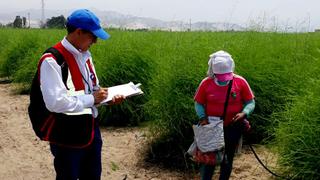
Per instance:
x=24, y=157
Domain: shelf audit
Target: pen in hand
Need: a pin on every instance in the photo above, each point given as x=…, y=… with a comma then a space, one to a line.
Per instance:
x=100, y=95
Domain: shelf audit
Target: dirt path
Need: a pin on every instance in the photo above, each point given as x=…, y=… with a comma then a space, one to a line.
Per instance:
x=24, y=157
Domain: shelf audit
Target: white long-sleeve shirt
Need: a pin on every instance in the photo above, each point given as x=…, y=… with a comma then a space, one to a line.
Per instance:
x=54, y=91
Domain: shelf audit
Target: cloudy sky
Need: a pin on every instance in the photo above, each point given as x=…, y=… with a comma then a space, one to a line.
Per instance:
x=297, y=13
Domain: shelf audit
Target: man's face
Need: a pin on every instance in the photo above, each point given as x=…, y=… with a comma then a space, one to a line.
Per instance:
x=86, y=39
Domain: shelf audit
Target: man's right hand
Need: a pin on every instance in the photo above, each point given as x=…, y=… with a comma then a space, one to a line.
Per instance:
x=100, y=95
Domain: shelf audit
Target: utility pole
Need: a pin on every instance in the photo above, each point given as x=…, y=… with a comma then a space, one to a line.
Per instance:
x=42, y=22
x=29, y=20
x=309, y=24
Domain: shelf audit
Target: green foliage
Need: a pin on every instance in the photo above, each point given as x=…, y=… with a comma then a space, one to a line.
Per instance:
x=128, y=66
x=16, y=56
x=170, y=66
x=17, y=23
x=20, y=56
x=275, y=69
x=56, y=22
x=298, y=135
x=114, y=166
x=117, y=62
x=172, y=99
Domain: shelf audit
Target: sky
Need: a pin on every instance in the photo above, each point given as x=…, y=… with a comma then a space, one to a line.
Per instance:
x=288, y=13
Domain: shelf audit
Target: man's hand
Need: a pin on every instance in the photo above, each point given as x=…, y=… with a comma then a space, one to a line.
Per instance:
x=100, y=95
x=238, y=117
x=117, y=99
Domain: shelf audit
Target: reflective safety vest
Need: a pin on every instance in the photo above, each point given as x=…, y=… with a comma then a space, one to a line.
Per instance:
x=67, y=129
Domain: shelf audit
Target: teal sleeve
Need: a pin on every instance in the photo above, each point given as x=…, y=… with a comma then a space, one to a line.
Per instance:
x=249, y=107
x=200, y=110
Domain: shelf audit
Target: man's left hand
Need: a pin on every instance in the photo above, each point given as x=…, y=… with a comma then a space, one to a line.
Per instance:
x=117, y=99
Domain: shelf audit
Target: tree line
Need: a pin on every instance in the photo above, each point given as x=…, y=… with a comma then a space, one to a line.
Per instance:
x=57, y=22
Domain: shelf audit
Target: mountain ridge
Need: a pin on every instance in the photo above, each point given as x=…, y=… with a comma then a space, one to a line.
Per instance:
x=112, y=19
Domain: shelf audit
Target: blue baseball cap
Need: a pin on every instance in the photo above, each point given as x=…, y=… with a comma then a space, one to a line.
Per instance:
x=86, y=20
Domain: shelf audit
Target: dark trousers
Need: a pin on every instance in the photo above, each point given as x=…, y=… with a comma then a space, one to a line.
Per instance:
x=206, y=171
x=78, y=163
x=232, y=136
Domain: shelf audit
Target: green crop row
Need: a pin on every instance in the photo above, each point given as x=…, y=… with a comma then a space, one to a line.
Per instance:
x=280, y=68
x=297, y=137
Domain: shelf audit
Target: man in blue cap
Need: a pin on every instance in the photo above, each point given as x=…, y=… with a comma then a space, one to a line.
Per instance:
x=63, y=99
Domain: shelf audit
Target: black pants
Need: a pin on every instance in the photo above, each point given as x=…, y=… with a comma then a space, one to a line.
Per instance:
x=232, y=135
x=78, y=163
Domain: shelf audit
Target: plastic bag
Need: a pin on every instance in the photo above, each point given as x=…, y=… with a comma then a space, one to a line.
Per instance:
x=209, y=137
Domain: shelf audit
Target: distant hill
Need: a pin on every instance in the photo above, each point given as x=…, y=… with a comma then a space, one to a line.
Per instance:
x=118, y=20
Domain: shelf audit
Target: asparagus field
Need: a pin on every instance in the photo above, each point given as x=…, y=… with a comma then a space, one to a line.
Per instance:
x=281, y=68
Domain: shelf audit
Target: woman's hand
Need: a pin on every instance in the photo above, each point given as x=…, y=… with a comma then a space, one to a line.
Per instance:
x=203, y=122
x=238, y=117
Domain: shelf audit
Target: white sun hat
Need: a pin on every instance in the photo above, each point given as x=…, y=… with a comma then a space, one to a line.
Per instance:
x=220, y=62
